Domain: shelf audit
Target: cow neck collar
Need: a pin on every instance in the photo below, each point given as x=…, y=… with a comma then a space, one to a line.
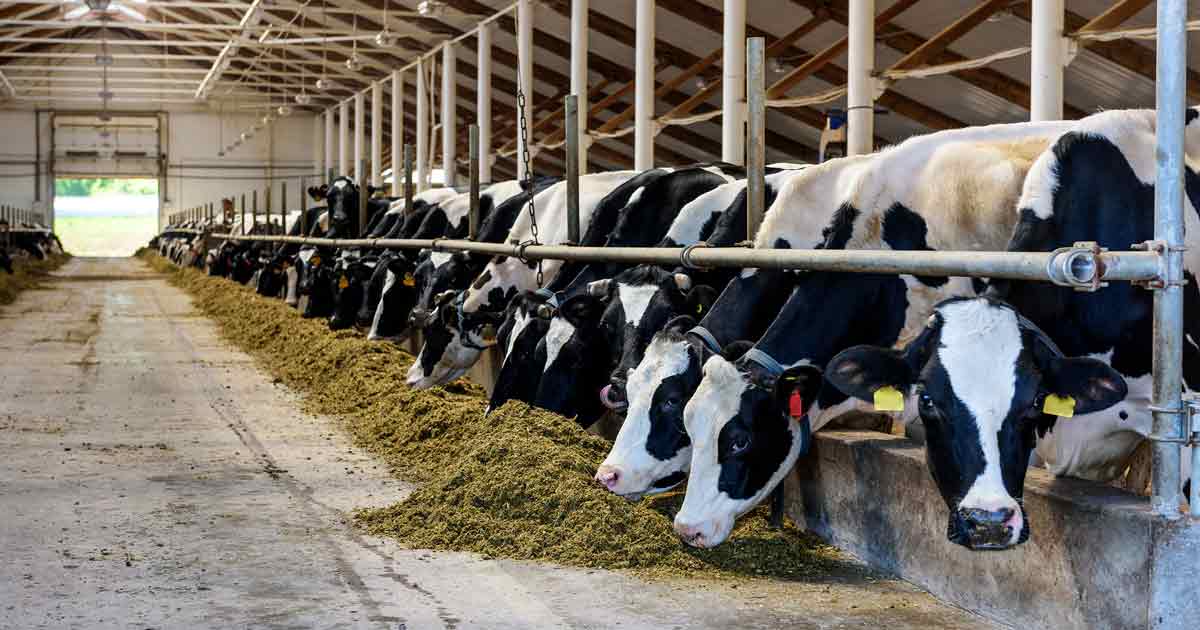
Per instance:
x=707, y=338
x=764, y=360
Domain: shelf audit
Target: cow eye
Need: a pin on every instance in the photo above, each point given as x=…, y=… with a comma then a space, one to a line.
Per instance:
x=739, y=445
x=925, y=403
x=672, y=403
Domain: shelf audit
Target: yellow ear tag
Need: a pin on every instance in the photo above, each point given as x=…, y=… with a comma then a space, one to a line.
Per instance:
x=1062, y=407
x=409, y=280
x=888, y=398
x=699, y=309
x=343, y=282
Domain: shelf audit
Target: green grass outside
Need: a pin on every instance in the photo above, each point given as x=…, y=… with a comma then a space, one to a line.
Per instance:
x=104, y=235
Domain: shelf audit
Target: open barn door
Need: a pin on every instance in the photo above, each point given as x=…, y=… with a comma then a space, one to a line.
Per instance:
x=124, y=145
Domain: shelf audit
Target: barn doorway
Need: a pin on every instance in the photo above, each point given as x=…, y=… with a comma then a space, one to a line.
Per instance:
x=105, y=216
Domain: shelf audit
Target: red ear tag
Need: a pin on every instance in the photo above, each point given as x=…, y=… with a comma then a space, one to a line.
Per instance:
x=795, y=404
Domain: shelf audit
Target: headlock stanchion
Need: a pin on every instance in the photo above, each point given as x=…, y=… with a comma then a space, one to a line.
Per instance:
x=571, y=125
x=756, y=135
x=473, y=213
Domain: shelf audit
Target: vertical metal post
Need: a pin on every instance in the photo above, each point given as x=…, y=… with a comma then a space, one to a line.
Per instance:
x=473, y=215
x=397, y=128
x=579, y=77
x=449, y=115
x=283, y=201
x=756, y=134
x=483, y=100
x=327, y=163
x=268, y=206
x=376, y=174
x=343, y=139
x=359, y=134
x=422, y=121
x=643, y=99
x=571, y=111
x=364, y=194
x=243, y=213
x=408, y=179
x=860, y=84
x=253, y=209
x=1168, y=229
x=733, y=149
x=303, y=210
x=525, y=75
x=1047, y=59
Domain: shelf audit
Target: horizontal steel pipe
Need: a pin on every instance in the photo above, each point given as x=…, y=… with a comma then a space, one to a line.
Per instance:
x=1075, y=266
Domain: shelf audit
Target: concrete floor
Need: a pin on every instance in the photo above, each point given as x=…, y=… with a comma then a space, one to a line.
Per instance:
x=152, y=477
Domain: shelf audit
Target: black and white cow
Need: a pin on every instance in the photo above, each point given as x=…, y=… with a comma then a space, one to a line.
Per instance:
x=465, y=328
x=951, y=190
x=412, y=281
x=981, y=369
x=585, y=337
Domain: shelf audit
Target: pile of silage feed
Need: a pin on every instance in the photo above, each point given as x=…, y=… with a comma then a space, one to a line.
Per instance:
x=516, y=483
x=26, y=274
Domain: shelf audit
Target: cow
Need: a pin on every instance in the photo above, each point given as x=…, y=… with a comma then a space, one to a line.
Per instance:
x=465, y=328
x=987, y=366
x=951, y=190
x=403, y=282
x=606, y=321
x=652, y=452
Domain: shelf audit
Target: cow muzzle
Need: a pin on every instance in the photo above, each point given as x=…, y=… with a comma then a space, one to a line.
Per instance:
x=613, y=396
x=981, y=529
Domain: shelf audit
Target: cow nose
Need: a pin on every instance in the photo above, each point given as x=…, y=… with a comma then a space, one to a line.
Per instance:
x=988, y=528
x=690, y=534
x=609, y=477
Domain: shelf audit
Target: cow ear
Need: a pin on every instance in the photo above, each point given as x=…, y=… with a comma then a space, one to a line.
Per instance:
x=734, y=350
x=861, y=370
x=582, y=311
x=1093, y=384
x=699, y=300
x=796, y=390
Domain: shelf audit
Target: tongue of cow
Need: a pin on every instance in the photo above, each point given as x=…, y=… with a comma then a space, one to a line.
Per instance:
x=608, y=402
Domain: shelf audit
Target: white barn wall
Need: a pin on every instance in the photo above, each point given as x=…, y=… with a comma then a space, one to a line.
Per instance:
x=18, y=153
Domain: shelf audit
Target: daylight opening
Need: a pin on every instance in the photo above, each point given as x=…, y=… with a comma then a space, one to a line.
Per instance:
x=105, y=216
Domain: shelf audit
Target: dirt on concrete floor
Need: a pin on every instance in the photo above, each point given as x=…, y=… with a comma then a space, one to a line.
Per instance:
x=153, y=477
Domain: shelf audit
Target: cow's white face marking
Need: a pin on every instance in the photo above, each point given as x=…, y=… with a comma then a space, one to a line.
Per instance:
x=388, y=282
x=635, y=300
x=520, y=321
x=440, y=258
x=292, y=281
x=556, y=337
x=980, y=345
x=629, y=454
x=636, y=196
x=340, y=184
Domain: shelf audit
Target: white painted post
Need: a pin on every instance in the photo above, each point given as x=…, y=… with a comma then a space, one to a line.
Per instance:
x=449, y=114
x=643, y=117
x=483, y=101
x=579, y=74
x=733, y=84
x=376, y=134
x=359, y=133
x=327, y=163
x=344, y=139
x=318, y=151
x=860, y=96
x=1047, y=60
x=524, y=74
x=397, y=131
x=422, y=125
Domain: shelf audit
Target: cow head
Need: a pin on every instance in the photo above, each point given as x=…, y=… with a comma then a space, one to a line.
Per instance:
x=316, y=282
x=351, y=275
x=652, y=451
x=742, y=445
x=396, y=298
x=453, y=342
x=436, y=273
x=342, y=200
x=640, y=302
x=526, y=322
x=373, y=290
x=981, y=376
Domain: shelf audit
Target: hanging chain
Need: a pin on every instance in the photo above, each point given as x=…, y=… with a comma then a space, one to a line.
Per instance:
x=527, y=182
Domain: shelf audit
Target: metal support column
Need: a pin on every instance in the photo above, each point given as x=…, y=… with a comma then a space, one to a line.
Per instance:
x=473, y=174
x=343, y=139
x=525, y=75
x=422, y=122
x=408, y=179
x=360, y=155
x=327, y=163
x=1047, y=59
x=860, y=94
x=1168, y=231
x=756, y=134
x=643, y=101
x=579, y=77
x=483, y=100
x=449, y=115
x=376, y=168
x=571, y=107
x=733, y=83
x=397, y=128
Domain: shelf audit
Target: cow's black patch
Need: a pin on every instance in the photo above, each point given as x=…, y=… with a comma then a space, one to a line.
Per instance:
x=837, y=234
x=904, y=229
x=667, y=434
